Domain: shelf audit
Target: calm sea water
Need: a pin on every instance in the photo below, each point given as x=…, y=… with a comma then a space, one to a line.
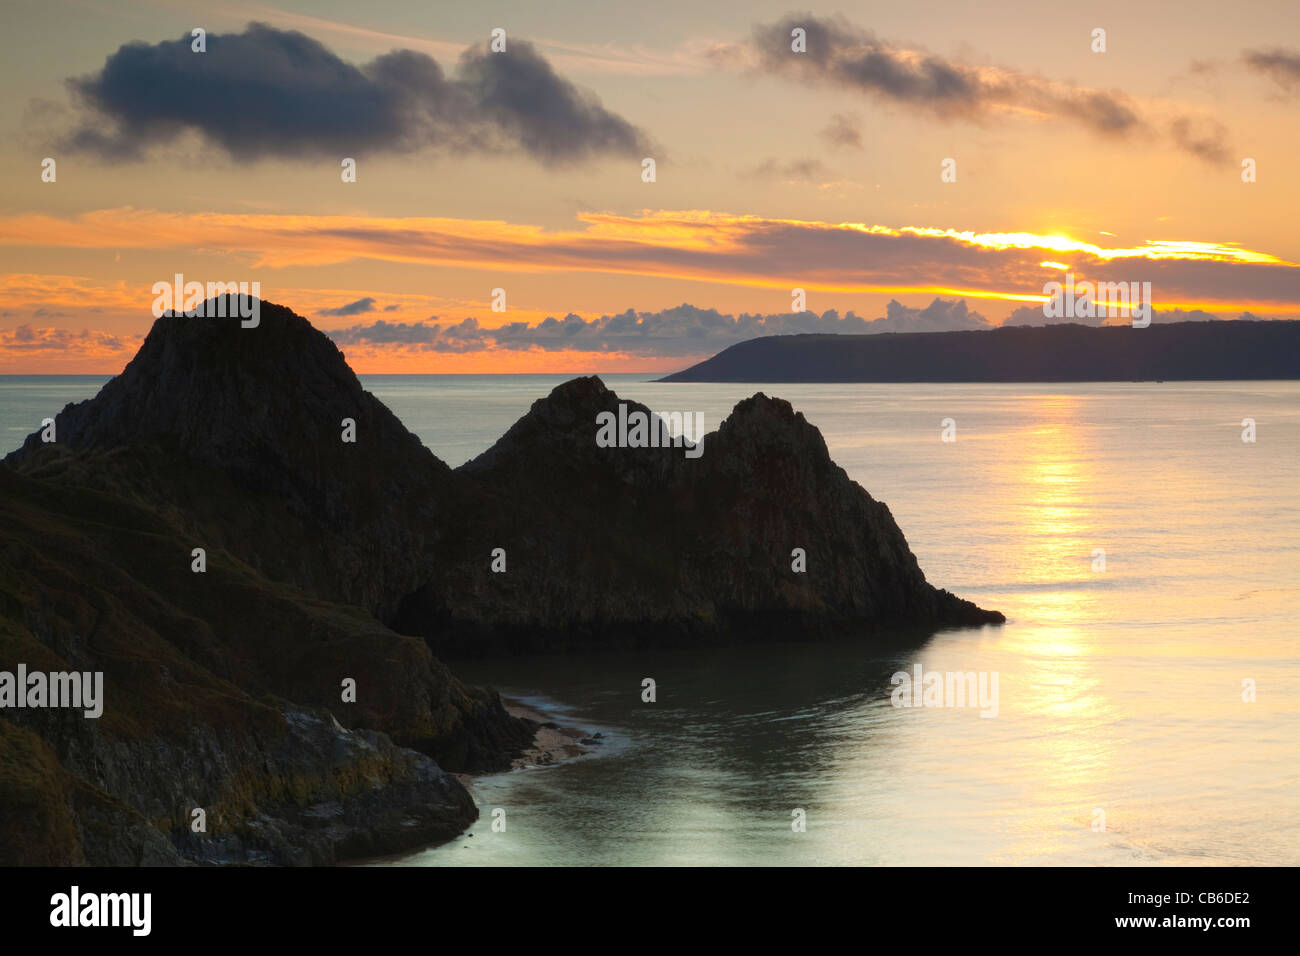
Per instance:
x=1120, y=690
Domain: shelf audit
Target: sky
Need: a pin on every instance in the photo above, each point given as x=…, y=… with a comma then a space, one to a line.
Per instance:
x=911, y=167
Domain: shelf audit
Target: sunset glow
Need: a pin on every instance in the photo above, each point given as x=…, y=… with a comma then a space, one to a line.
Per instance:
x=849, y=202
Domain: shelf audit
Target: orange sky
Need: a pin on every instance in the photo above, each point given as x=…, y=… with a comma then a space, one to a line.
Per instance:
x=1119, y=166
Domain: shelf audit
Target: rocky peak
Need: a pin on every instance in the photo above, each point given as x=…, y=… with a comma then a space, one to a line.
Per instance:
x=555, y=444
x=265, y=404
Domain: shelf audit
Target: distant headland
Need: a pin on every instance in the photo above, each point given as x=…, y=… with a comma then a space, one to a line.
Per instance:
x=1189, y=351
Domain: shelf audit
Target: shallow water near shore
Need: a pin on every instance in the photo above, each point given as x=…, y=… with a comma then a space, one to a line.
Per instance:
x=1120, y=689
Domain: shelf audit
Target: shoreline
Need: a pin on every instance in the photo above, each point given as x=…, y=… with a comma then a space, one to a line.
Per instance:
x=552, y=744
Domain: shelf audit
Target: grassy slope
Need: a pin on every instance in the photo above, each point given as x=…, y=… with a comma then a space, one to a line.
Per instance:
x=97, y=581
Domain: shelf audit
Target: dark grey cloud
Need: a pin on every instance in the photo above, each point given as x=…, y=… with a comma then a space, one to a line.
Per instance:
x=269, y=92
x=1283, y=66
x=684, y=330
x=362, y=305
x=550, y=118
x=842, y=54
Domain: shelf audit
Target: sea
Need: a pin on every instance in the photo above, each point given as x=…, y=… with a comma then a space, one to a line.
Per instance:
x=1143, y=541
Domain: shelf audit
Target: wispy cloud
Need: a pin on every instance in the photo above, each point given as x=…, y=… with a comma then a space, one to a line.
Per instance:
x=1283, y=66
x=703, y=246
x=844, y=131
x=26, y=338
x=30, y=349
x=791, y=170
x=609, y=57
x=840, y=53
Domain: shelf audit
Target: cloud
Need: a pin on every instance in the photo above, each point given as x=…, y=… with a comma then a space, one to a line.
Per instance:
x=684, y=330
x=844, y=131
x=382, y=332
x=939, y=316
x=1204, y=138
x=1182, y=315
x=25, y=338
x=549, y=117
x=791, y=170
x=1282, y=65
x=693, y=245
x=365, y=304
x=839, y=53
x=278, y=93
x=1033, y=315
x=28, y=349
x=604, y=57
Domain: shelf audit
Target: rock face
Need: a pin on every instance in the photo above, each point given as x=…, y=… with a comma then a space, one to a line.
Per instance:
x=329, y=560
x=631, y=545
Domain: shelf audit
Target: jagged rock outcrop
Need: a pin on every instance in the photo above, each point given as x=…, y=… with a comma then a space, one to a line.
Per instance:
x=235, y=434
x=647, y=544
